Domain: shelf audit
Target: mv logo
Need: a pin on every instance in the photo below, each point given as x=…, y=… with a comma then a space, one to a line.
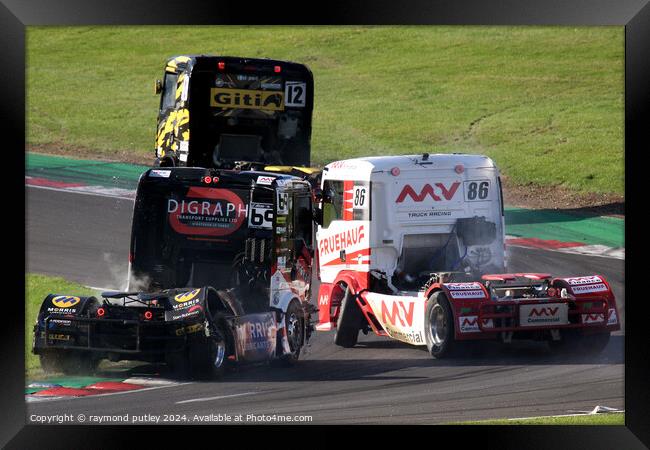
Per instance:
x=398, y=312
x=548, y=312
x=324, y=300
x=467, y=322
x=427, y=190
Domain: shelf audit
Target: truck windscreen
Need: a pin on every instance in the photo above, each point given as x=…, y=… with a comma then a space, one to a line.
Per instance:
x=249, y=117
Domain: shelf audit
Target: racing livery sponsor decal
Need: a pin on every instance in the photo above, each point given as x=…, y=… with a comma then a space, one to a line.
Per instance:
x=186, y=304
x=593, y=318
x=577, y=281
x=187, y=296
x=260, y=216
x=469, y=324
x=541, y=314
x=612, y=318
x=424, y=201
x=465, y=290
x=600, y=287
x=262, y=179
x=207, y=211
x=156, y=173
x=63, y=304
x=64, y=301
x=477, y=191
x=246, y=99
x=438, y=192
x=295, y=93
x=401, y=317
x=256, y=336
x=341, y=241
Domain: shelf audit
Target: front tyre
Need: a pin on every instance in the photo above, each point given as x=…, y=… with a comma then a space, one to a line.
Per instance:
x=207, y=355
x=439, y=326
x=349, y=321
x=294, y=327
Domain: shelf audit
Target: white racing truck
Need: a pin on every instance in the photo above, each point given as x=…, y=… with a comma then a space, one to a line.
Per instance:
x=413, y=247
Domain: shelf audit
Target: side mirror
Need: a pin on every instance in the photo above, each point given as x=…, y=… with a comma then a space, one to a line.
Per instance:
x=158, y=87
x=317, y=195
x=328, y=195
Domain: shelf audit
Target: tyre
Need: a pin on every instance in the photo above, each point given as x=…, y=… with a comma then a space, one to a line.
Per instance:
x=50, y=361
x=349, y=321
x=207, y=355
x=594, y=344
x=78, y=363
x=573, y=342
x=178, y=363
x=294, y=325
x=439, y=326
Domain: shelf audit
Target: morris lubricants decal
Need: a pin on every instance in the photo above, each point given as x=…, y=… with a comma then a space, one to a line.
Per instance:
x=64, y=301
x=246, y=99
x=207, y=211
x=187, y=296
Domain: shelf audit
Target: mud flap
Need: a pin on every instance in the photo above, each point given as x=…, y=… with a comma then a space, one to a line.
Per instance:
x=255, y=337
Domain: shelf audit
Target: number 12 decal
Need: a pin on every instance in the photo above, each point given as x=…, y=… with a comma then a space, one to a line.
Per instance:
x=476, y=191
x=295, y=93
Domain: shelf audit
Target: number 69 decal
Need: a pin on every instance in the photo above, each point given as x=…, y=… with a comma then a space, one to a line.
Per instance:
x=260, y=216
x=476, y=191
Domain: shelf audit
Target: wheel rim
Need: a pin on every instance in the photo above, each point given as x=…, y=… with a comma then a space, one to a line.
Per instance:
x=437, y=325
x=293, y=330
x=219, y=354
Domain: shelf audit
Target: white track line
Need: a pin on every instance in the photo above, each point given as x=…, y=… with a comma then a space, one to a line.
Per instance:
x=207, y=399
x=570, y=415
x=96, y=194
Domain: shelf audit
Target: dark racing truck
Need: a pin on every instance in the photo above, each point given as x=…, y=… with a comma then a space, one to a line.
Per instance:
x=220, y=271
x=219, y=110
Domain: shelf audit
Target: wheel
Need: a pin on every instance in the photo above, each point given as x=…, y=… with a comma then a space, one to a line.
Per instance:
x=50, y=361
x=573, y=342
x=178, y=363
x=439, y=326
x=349, y=321
x=594, y=344
x=207, y=354
x=294, y=325
x=78, y=363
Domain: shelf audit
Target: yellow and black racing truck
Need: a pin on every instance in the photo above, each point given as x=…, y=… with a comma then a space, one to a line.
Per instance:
x=221, y=239
x=234, y=112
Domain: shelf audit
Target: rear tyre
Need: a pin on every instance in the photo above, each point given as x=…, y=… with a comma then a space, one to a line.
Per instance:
x=439, y=326
x=349, y=322
x=294, y=327
x=207, y=355
x=594, y=344
x=50, y=361
x=78, y=363
x=574, y=342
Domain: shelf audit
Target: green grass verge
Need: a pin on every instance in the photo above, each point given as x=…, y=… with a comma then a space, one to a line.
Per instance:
x=546, y=103
x=37, y=287
x=590, y=419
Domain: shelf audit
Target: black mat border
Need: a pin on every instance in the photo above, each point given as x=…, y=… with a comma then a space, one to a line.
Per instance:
x=634, y=15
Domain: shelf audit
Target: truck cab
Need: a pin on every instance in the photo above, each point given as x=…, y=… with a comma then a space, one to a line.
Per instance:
x=220, y=111
x=390, y=223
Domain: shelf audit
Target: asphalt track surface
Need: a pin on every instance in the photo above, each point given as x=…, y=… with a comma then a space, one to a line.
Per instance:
x=85, y=238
